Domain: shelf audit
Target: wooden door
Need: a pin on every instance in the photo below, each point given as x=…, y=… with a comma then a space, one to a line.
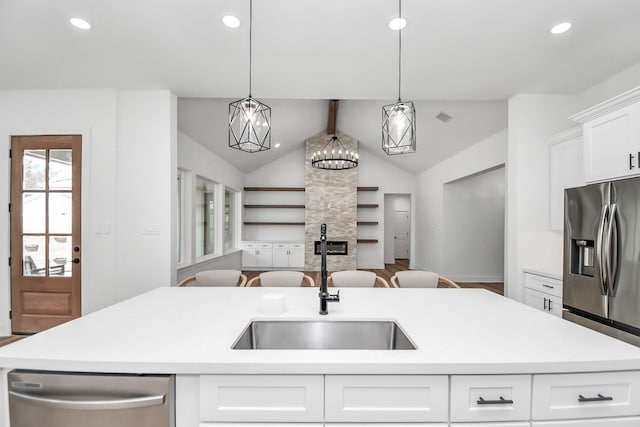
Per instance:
x=45, y=231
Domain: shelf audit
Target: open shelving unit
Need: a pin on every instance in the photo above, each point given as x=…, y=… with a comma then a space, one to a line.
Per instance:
x=274, y=206
x=362, y=222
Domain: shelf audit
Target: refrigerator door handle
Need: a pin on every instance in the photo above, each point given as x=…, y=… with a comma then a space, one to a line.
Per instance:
x=601, y=248
x=612, y=249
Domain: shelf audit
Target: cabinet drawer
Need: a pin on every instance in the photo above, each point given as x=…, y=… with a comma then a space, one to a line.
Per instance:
x=261, y=398
x=602, y=422
x=386, y=398
x=543, y=284
x=498, y=424
x=490, y=397
x=591, y=395
x=296, y=246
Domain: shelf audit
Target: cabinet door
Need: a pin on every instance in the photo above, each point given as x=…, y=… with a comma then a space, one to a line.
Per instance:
x=487, y=398
x=498, y=424
x=249, y=255
x=603, y=422
x=296, y=258
x=586, y=395
x=265, y=255
x=612, y=144
x=386, y=398
x=566, y=165
x=281, y=255
x=545, y=302
x=261, y=398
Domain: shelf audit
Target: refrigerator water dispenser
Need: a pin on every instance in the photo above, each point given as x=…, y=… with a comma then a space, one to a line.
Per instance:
x=582, y=254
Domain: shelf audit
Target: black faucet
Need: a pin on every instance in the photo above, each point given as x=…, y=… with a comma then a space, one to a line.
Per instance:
x=324, y=294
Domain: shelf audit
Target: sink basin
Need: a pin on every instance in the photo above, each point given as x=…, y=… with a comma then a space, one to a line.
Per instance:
x=322, y=335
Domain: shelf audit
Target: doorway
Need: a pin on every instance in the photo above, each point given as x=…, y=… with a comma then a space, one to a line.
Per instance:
x=397, y=228
x=45, y=221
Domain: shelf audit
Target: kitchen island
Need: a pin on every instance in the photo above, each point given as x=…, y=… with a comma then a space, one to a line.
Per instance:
x=476, y=352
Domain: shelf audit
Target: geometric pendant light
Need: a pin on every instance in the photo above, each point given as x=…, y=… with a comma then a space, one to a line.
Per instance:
x=399, y=119
x=249, y=119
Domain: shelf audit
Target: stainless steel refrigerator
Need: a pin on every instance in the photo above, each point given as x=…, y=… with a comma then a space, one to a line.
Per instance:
x=601, y=286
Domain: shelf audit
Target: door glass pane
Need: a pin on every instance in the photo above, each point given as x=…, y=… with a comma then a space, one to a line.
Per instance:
x=60, y=170
x=33, y=251
x=60, y=213
x=33, y=169
x=34, y=214
x=60, y=256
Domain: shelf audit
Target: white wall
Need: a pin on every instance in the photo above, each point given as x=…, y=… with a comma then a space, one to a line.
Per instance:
x=374, y=171
x=146, y=153
x=94, y=114
x=474, y=227
x=196, y=160
x=533, y=119
x=615, y=85
x=429, y=207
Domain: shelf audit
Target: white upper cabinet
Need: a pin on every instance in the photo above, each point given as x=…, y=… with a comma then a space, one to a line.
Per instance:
x=565, y=157
x=612, y=138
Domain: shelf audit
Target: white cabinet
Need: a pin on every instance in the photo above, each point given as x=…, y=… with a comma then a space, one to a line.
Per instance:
x=566, y=171
x=597, y=399
x=586, y=395
x=490, y=397
x=262, y=398
x=612, y=138
x=603, y=422
x=543, y=292
x=257, y=254
x=386, y=398
x=288, y=255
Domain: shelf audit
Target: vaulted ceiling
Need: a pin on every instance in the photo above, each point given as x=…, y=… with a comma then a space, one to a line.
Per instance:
x=463, y=57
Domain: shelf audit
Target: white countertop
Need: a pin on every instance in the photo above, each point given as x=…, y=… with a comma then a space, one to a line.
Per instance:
x=191, y=330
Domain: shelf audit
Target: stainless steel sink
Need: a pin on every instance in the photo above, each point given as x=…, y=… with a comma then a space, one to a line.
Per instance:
x=322, y=335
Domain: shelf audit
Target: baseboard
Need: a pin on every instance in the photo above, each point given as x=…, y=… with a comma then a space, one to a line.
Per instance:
x=370, y=266
x=478, y=279
x=390, y=261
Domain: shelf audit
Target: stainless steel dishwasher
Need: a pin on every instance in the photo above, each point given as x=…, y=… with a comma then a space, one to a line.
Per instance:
x=55, y=399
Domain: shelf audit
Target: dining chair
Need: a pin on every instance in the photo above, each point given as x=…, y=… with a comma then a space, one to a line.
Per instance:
x=421, y=279
x=216, y=278
x=356, y=278
x=281, y=278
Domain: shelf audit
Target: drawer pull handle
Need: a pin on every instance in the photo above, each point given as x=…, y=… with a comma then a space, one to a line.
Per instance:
x=600, y=398
x=502, y=401
x=547, y=286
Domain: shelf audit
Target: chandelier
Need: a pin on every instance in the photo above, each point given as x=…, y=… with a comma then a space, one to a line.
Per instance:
x=334, y=156
x=249, y=119
x=399, y=119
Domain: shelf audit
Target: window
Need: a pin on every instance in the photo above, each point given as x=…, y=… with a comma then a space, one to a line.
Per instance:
x=205, y=218
x=229, y=219
x=180, y=218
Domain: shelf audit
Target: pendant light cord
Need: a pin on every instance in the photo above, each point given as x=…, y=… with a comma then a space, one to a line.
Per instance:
x=399, y=49
x=250, y=25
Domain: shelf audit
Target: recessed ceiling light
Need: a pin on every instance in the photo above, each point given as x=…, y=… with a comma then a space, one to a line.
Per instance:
x=277, y=145
x=397, y=23
x=561, y=28
x=80, y=23
x=231, y=21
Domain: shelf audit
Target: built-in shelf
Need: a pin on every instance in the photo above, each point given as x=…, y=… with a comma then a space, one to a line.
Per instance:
x=273, y=188
x=367, y=240
x=367, y=205
x=273, y=223
x=368, y=188
x=368, y=223
x=274, y=206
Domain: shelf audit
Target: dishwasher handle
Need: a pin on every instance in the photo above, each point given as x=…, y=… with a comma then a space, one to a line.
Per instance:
x=56, y=402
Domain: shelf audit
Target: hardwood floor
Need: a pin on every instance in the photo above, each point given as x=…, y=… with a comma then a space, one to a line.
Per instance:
x=9, y=340
x=391, y=269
